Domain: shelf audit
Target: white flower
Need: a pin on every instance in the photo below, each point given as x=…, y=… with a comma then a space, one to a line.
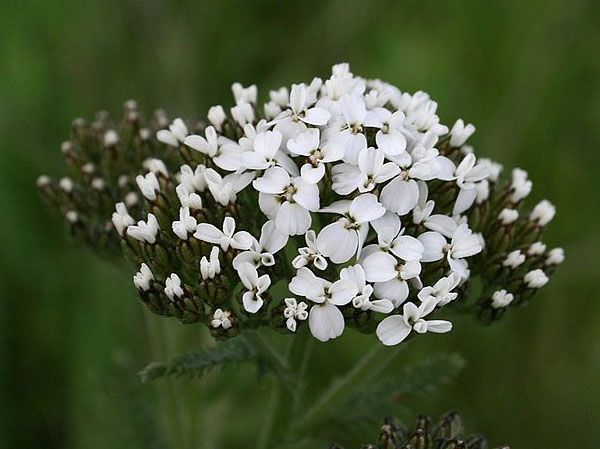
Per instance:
x=216, y=116
x=188, y=199
x=556, y=256
x=145, y=231
x=536, y=249
x=221, y=318
x=371, y=171
x=390, y=138
x=294, y=311
x=424, y=208
x=391, y=238
x=521, y=186
x=307, y=144
x=325, y=319
x=226, y=237
x=463, y=244
x=121, y=218
x=310, y=254
x=208, y=145
x=390, y=276
x=514, y=259
x=225, y=189
x=186, y=224
x=508, y=216
x=210, y=268
x=394, y=329
x=266, y=153
x=460, y=133
x=286, y=200
x=255, y=286
x=300, y=105
x=543, y=213
x=441, y=290
x=535, y=279
x=261, y=253
x=142, y=278
x=344, y=238
x=173, y=287
x=148, y=185
x=362, y=300
x=501, y=298
x=467, y=174
x=193, y=180
x=174, y=135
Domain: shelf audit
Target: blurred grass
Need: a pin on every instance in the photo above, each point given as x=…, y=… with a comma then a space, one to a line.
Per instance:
x=526, y=73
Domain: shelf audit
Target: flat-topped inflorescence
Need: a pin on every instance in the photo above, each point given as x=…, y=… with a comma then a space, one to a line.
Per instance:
x=343, y=202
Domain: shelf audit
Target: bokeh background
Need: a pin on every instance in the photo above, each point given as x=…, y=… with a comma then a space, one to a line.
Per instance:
x=72, y=334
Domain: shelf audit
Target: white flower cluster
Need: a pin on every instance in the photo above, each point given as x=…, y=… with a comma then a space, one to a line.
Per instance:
x=357, y=176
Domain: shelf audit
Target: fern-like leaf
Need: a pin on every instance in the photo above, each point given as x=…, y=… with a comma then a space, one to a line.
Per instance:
x=196, y=363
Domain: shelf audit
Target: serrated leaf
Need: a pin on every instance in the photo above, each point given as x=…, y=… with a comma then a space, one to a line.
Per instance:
x=197, y=363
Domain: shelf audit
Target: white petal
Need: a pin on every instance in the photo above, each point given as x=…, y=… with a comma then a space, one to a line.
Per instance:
x=380, y=267
x=443, y=224
x=337, y=242
x=197, y=143
x=464, y=200
x=208, y=233
x=365, y=208
x=392, y=143
x=274, y=181
x=387, y=227
x=254, y=161
x=392, y=330
x=439, y=326
x=316, y=116
x=433, y=244
x=242, y=240
x=382, y=306
x=370, y=161
x=407, y=248
x=326, y=321
x=304, y=143
x=306, y=284
x=267, y=144
x=400, y=196
x=268, y=205
x=346, y=178
x=307, y=195
x=271, y=240
x=394, y=290
x=252, y=303
x=292, y=219
x=342, y=292
x=248, y=275
x=312, y=175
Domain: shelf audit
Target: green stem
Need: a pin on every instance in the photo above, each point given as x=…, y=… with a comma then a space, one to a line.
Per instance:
x=268, y=427
x=272, y=357
x=341, y=387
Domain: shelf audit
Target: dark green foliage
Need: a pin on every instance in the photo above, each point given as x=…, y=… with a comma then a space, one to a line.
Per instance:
x=197, y=363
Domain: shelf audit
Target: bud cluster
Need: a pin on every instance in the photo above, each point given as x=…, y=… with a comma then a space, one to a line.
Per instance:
x=103, y=159
x=344, y=202
x=446, y=433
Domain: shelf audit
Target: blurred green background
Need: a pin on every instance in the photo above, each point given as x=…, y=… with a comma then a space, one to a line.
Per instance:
x=71, y=333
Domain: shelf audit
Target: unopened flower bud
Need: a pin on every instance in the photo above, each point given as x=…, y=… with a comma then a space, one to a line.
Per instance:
x=508, y=216
x=111, y=138
x=501, y=298
x=556, y=256
x=535, y=279
x=536, y=249
x=543, y=213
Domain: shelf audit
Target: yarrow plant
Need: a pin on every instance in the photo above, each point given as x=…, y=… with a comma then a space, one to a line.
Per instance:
x=338, y=203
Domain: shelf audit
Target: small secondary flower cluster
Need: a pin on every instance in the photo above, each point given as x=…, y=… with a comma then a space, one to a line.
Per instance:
x=445, y=433
x=345, y=203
